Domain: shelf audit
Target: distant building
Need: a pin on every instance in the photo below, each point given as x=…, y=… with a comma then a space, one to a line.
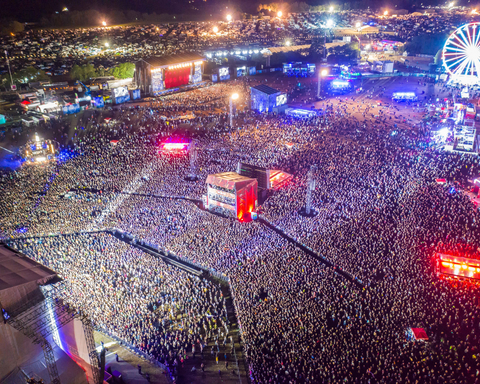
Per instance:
x=157, y=74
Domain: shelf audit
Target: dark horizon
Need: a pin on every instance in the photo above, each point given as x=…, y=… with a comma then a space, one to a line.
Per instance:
x=34, y=10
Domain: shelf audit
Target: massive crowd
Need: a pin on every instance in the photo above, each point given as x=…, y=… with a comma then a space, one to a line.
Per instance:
x=380, y=218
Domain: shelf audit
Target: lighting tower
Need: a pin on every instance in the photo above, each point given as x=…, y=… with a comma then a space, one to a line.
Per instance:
x=321, y=75
x=193, y=159
x=310, y=188
x=232, y=99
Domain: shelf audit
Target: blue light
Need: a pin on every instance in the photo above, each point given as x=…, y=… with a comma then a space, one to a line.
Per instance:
x=66, y=154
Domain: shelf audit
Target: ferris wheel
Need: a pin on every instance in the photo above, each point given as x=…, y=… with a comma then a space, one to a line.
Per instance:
x=461, y=54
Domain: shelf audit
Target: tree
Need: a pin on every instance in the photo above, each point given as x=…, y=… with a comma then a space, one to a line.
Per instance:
x=342, y=54
x=76, y=73
x=124, y=71
x=7, y=27
x=89, y=71
x=83, y=73
x=29, y=75
x=426, y=44
x=315, y=52
x=17, y=27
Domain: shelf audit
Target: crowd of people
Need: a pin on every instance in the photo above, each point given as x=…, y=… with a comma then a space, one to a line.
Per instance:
x=380, y=217
x=155, y=307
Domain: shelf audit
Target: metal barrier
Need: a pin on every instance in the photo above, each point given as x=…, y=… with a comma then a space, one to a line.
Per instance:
x=137, y=352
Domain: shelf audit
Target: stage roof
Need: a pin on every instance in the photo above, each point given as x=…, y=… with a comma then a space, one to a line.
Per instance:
x=266, y=89
x=167, y=60
x=229, y=180
x=17, y=269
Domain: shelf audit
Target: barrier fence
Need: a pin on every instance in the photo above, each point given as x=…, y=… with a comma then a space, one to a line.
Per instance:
x=138, y=352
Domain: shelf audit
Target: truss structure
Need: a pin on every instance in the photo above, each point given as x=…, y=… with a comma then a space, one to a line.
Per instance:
x=40, y=318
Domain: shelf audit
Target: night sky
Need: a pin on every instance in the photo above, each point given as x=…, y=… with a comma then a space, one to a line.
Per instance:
x=33, y=10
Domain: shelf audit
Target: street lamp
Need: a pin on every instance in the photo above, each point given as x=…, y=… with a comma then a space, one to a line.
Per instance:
x=232, y=98
x=287, y=43
x=215, y=29
x=229, y=17
x=322, y=74
x=279, y=13
x=330, y=9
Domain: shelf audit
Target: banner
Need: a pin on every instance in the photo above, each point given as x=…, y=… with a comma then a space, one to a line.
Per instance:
x=72, y=108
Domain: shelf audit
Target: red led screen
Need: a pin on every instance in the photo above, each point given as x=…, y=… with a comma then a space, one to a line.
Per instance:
x=176, y=77
x=458, y=266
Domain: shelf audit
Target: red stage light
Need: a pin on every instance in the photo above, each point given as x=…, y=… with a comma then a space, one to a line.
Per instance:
x=175, y=146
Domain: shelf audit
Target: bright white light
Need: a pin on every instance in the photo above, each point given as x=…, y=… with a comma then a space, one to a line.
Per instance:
x=288, y=43
x=215, y=29
x=104, y=23
x=331, y=8
x=329, y=23
x=324, y=72
x=358, y=24
x=41, y=159
x=451, y=4
x=107, y=345
x=235, y=96
x=443, y=132
x=368, y=47
x=385, y=13
x=229, y=17
x=472, y=52
x=107, y=45
x=279, y=13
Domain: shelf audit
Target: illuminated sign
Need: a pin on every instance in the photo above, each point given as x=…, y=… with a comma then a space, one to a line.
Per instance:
x=340, y=84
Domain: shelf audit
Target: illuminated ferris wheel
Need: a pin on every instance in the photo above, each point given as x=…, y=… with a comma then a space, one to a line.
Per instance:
x=461, y=54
